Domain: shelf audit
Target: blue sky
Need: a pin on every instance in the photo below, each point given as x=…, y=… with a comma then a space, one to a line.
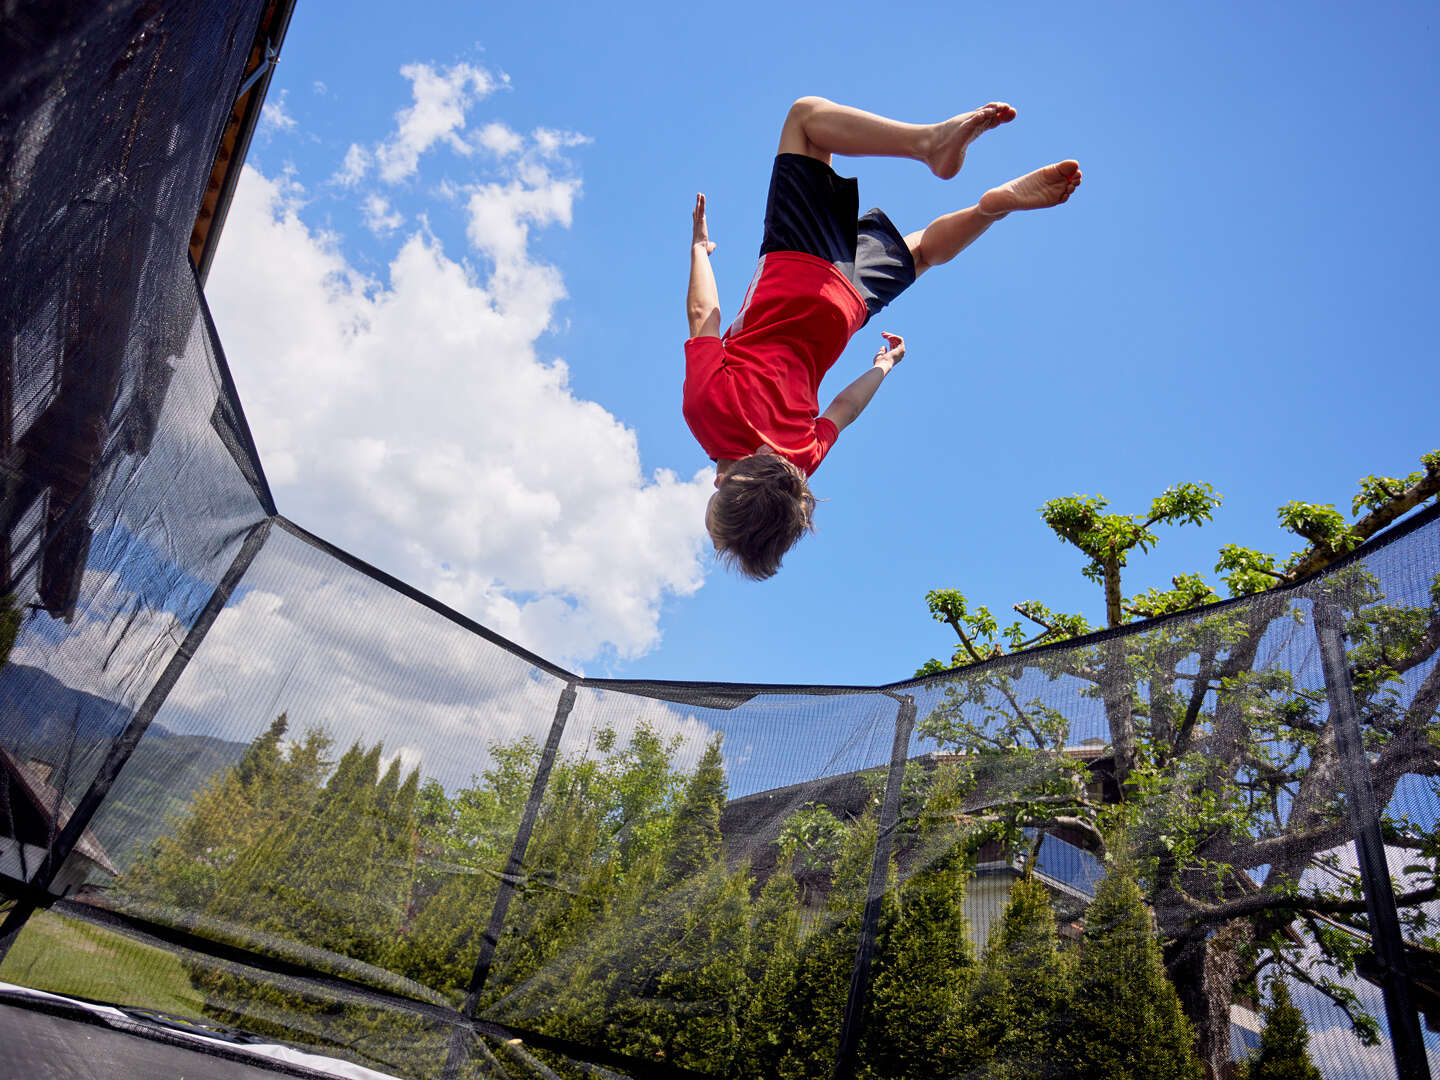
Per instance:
x=1240, y=293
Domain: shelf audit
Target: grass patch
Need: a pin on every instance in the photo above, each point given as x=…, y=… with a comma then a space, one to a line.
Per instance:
x=65, y=956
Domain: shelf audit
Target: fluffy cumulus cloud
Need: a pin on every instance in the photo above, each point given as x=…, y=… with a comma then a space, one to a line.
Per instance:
x=333, y=649
x=380, y=217
x=437, y=115
x=276, y=117
x=414, y=420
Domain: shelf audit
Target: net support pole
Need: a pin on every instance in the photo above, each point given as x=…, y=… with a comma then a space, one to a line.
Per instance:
x=1406, y=1039
x=514, y=873
x=124, y=746
x=845, y=1058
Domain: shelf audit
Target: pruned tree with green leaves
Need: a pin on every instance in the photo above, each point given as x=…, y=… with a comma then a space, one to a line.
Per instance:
x=1226, y=761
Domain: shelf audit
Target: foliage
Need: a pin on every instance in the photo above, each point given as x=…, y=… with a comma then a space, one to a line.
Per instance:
x=1219, y=758
x=1283, y=1053
x=1020, y=999
x=630, y=928
x=1125, y=1021
x=10, y=619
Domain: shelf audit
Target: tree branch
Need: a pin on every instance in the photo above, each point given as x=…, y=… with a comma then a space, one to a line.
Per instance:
x=965, y=639
x=1245, y=906
x=1112, y=591
x=1322, y=555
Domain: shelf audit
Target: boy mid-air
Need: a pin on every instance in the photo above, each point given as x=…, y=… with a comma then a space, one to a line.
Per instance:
x=751, y=394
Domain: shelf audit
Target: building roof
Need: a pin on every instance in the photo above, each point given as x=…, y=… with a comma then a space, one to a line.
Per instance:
x=54, y=807
x=239, y=129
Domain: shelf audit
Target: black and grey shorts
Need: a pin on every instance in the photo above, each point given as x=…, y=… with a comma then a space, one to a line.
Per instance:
x=813, y=210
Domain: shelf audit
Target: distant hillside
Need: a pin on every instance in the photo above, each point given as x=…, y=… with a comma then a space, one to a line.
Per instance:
x=41, y=717
x=37, y=708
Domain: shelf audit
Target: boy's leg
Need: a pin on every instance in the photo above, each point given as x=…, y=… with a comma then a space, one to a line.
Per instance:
x=947, y=236
x=818, y=128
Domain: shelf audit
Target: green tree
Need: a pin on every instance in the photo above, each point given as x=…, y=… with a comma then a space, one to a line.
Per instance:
x=10, y=619
x=262, y=793
x=1284, y=1043
x=330, y=887
x=771, y=970
x=1019, y=1004
x=915, y=1023
x=1125, y=1017
x=813, y=1010
x=597, y=851
x=1224, y=760
x=671, y=975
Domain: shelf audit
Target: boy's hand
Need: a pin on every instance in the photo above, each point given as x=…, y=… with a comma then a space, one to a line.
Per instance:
x=892, y=352
x=700, y=234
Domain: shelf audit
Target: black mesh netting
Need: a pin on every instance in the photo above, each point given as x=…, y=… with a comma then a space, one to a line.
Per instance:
x=253, y=786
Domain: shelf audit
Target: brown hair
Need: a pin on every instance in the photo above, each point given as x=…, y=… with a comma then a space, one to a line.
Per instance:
x=762, y=508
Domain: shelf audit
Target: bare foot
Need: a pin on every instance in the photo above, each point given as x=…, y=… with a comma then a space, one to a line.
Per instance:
x=1050, y=185
x=952, y=137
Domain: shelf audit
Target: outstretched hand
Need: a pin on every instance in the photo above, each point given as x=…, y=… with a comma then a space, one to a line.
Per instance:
x=892, y=352
x=700, y=234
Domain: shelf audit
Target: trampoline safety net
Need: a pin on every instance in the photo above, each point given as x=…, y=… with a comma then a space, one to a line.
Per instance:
x=260, y=798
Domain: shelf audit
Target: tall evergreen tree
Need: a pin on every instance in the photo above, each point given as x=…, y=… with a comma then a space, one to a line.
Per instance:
x=1284, y=1052
x=1022, y=994
x=330, y=886
x=812, y=1016
x=264, y=793
x=673, y=986
x=1126, y=1021
x=924, y=963
x=771, y=969
x=696, y=843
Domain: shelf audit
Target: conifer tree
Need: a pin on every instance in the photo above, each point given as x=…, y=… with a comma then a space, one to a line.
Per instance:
x=1126, y=1021
x=924, y=964
x=1284, y=1052
x=812, y=1016
x=1022, y=993
x=771, y=970
x=264, y=792
x=696, y=843
x=332, y=880
x=673, y=986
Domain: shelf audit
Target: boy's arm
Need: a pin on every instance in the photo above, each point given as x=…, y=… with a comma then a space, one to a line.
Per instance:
x=851, y=401
x=702, y=303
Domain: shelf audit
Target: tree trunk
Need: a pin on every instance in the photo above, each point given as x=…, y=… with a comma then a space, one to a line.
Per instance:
x=1204, y=974
x=1118, y=692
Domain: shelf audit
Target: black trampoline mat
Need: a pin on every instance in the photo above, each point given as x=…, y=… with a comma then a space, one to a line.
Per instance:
x=39, y=1045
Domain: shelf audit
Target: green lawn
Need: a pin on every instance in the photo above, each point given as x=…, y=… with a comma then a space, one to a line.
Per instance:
x=64, y=956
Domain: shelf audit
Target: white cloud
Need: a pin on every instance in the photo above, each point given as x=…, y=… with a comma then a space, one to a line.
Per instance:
x=356, y=164
x=499, y=139
x=320, y=88
x=275, y=117
x=550, y=142
x=437, y=115
x=412, y=421
x=381, y=218
x=331, y=647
